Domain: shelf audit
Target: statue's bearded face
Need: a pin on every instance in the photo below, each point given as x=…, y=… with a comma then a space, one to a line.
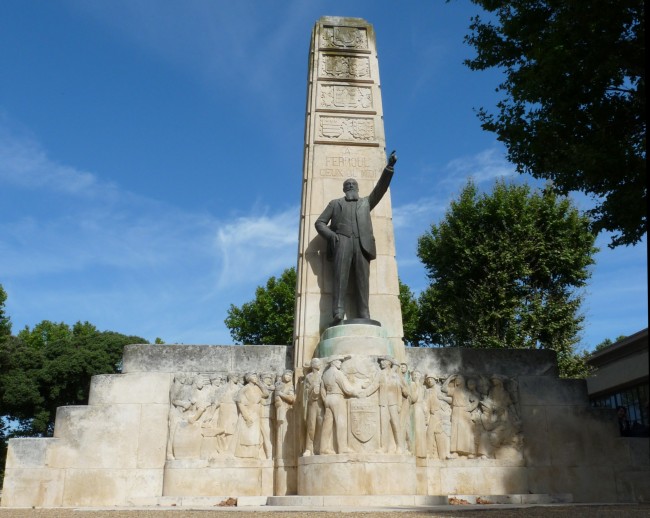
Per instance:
x=351, y=189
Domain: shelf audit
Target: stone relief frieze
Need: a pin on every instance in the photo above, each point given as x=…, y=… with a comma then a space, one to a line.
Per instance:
x=344, y=67
x=343, y=97
x=209, y=418
x=344, y=405
x=344, y=38
x=346, y=128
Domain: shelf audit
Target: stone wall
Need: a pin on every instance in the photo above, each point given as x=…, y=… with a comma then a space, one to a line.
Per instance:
x=194, y=421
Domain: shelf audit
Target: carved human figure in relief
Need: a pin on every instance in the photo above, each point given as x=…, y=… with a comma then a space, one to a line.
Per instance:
x=284, y=397
x=209, y=422
x=500, y=423
x=180, y=396
x=249, y=400
x=335, y=387
x=201, y=399
x=315, y=407
x=405, y=410
x=266, y=410
x=437, y=438
x=346, y=225
x=418, y=398
x=227, y=417
x=390, y=387
x=462, y=405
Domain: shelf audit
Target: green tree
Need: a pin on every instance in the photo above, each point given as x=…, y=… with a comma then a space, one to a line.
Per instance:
x=607, y=342
x=51, y=365
x=410, y=315
x=505, y=270
x=5, y=321
x=574, y=105
x=268, y=319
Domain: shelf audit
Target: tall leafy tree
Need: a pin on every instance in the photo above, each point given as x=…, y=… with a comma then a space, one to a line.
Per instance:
x=51, y=365
x=48, y=366
x=574, y=107
x=505, y=271
x=410, y=315
x=267, y=319
x=5, y=321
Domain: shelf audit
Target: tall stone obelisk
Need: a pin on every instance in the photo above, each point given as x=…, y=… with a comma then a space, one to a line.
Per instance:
x=344, y=138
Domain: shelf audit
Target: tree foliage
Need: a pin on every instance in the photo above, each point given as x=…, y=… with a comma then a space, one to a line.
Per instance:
x=51, y=365
x=607, y=342
x=574, y=105
x=5, y=322
x=505, y=270
x=48, y=366
x=268, y=319
x=410, y=315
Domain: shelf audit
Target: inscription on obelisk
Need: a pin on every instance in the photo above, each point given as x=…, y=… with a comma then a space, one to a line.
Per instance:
x=344, y=138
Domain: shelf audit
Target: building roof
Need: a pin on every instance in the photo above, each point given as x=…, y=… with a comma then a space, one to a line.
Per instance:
x=625, y=347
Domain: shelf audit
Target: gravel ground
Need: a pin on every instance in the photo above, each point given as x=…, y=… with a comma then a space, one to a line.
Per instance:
x=554, y=511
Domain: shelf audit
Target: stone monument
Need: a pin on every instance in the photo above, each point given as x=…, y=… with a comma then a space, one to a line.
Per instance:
x=346, y=416
x=344, y=140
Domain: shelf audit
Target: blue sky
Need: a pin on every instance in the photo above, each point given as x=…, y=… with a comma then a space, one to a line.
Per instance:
x=151, y=156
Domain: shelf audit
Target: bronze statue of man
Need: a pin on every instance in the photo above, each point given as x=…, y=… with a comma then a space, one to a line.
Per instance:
x=347, y=226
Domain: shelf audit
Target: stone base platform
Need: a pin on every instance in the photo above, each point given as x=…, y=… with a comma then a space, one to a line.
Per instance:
x=354, y=338
x=357, y=474
x=336, y=501
x=233, y=476
x=341, y=501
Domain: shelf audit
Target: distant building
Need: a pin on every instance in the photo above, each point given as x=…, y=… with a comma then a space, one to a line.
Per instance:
x=621, y=378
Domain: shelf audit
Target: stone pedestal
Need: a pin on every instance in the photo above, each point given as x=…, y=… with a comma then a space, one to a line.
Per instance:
x=354, y=474
x=355, y=339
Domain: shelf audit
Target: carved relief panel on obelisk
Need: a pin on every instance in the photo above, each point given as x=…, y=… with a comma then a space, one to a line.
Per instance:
x=344, y=139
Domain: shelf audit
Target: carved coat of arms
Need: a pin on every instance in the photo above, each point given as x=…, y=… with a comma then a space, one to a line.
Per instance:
x=364, y=419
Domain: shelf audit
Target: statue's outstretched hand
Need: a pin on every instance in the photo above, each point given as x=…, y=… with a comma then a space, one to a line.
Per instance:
x=392, y=159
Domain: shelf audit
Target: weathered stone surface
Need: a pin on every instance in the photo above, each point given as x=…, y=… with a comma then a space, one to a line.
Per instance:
x=101, y=436
x=152, y=436
x=356, y=475
x=141, y=387
x=587, y=484
x=546, y=390
x=97, y=487
x=26, y=487
x=29, y=453
x=508, y=362
x=205, y=358
x=247, y=477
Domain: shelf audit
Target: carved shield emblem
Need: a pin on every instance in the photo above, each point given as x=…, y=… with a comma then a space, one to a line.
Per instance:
x=364, y=419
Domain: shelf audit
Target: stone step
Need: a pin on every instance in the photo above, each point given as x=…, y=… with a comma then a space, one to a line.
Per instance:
x=526, y=498
x=341, y=501
x=356, y=501
x=199, y=501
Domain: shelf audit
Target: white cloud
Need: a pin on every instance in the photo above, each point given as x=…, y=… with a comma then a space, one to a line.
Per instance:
x=23, y=163
x=482, y=167
x=218, y=42
x=422, y=210
x=253, y=247
x=73, y=246
x=93, y=224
